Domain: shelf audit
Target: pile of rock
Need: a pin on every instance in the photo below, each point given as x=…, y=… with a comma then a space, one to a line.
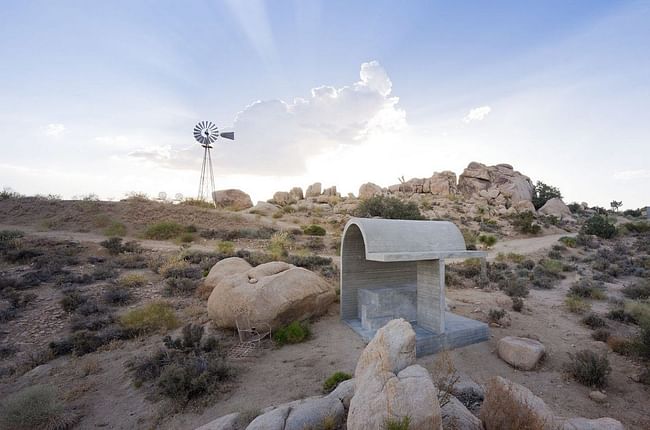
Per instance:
x=313, y=194
x=275, y=293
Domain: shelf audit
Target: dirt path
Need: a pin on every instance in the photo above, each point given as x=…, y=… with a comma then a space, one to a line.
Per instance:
x=528, y=245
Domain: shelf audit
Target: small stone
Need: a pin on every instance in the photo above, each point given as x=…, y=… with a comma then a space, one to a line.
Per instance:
x=598, y=396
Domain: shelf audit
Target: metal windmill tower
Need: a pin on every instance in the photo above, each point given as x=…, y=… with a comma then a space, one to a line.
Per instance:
x=206, y=133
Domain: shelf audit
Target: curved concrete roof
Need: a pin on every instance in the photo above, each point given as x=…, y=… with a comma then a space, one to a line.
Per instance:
x=407, y=240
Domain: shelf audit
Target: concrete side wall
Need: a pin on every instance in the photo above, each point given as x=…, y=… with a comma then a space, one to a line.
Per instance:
x=431, y=295
x=357, y=272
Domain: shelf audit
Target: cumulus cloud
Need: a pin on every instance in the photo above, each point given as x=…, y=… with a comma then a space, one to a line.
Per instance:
x=477, y=114
x=54, y=129
x=276, y=137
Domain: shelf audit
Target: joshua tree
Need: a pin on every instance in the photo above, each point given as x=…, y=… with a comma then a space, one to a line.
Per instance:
x=615, y=205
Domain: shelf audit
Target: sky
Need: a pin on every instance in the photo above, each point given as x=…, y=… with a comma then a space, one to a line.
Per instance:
x=101, y=97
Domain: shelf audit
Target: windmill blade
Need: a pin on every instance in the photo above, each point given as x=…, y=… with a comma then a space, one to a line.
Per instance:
x=228, y=135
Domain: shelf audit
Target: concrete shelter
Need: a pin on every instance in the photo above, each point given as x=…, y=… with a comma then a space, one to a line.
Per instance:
x=396, y=269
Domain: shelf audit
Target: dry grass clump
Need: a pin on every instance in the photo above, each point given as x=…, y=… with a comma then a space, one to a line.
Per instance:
x=132, y=280
x=577, y=305
x=164, y=230
x=589, y=368
x=334, y=380
x=149, y=318
x=445, y=376
x=35, y=407
x=502, y=410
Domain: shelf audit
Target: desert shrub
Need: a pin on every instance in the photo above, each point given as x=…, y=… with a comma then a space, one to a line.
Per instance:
x=296, y=332
x=180, y=286
x=9, y=235
x=589, y=368
x=115, y=229
x=84, y=342
x=149, y=318
x=71, y=300
x=514, y=287
x=620, y=345
x=116, y=295
x=642, y=341
x=568, y=241
x=103, y=272
x=132, y=280
x=177, y=268
x=588, y=289
x=543, y=193
x=131, y=261
x=527, y=264
x=92, y=322
x=445, y=376
x=35, y=407
x=600, y=226
x=278, y=246
x=470, y=268
x=402, y=423
x=512, y=257
x=243, y=233
x=593, y=321
x=601, y=335
x=487, y=240
x=113, y=245
x=388, y=208
x=470, y=237
x=552, y=266
x=334, y=380
x=638, y=227
x=638, y=291
x=502, y=409
x=620, y=314
x=314, y=230
x=576, y=305
x=517, y=304
x=186, y=237
x=495, y=315
x=226, y=247
x=640, y=311
x=311, y=262
x=524, y=222
x=164, y=230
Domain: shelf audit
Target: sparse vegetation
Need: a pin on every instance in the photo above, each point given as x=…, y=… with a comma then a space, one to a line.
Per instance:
x=314, y=230
x=502, y=409
x=296, y=332
x=402, y=423
x=599, y=225
x=588, y=289
x=638, y=291
x=164, y=230
x=115, y=229
x=593, y=321
x=226, y=247
x=487, y=240
x=388, y=208
x=576, y=305
x=132, y=280
x=589, y=368
x=149, y=318
x=35, y=407
x=334, y=380
x=524, y=222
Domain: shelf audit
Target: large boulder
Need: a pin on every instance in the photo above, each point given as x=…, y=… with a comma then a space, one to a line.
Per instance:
x=275, y=293
x=521, y=397
x=313, y=190
x=555, y=207
x=368, y=190
x=441, y=183
x=235, y=200
x=264, y=208
x=388, y=385
x=296, y=193
x=520, y=352
x=456, y=416
x=511, y=184
x=283, y=198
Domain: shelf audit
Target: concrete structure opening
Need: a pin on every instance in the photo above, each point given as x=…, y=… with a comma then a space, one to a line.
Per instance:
x=396, y=269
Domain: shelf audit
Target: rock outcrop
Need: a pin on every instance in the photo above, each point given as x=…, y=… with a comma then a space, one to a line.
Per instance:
x=314, y=190
x=276, y=293
x=520, y=352
x=511, y=184
x=368, y=190
x=456, y=416
x=264, y=208
x=310, y=413
x=389, y=386
x=283, y=198
x=555, y=207
x=235, y=200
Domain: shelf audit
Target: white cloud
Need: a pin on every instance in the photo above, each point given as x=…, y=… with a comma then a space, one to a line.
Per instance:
x=275, y=137
x=626, y=175
x=477, y=114
x=54, y=129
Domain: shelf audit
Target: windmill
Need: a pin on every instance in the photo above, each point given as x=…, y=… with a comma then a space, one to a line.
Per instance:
x=206, y=133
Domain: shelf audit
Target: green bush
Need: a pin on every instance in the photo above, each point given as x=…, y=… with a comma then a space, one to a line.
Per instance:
x=35, y=407
x=487, y=240
x=314, y=230
x=588, y=289
x=495, y=315
x=113, y=245
x=72, y=300
x=514, y=287
x=524, y=223
x=226, y=247
x=397, y=424
x=598, y=225
x=593, y=321
x=589, y=368
x=164, y=230
x=115, y=229
x=296, y=332
x=568, y=241
x=149, y=318
x=621, y=315
x=543, y=193
x=388, y=208
x=334, y=380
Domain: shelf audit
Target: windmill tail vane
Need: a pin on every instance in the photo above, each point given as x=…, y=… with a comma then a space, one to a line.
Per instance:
x=206, y=133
